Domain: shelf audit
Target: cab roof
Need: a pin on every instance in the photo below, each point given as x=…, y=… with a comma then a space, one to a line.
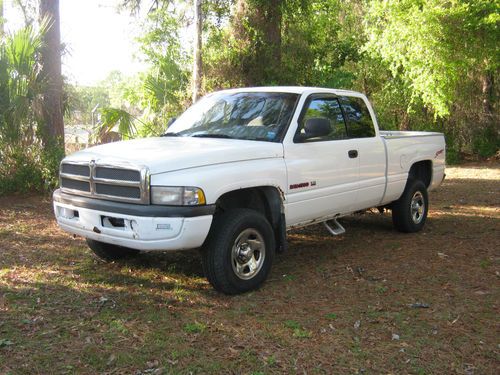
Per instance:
x=294, y=90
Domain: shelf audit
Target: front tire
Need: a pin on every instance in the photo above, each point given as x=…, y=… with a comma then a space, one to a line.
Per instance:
x=409, y=212
x=239, y=251
x=109, y=252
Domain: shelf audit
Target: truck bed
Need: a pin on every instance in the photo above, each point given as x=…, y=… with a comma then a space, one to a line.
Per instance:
x=405, y=148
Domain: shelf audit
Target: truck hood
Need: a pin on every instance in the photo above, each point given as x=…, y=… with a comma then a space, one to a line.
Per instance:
x=166, y=154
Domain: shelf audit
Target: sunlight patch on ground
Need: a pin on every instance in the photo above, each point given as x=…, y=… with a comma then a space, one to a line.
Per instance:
x=476, y=211
x=473, y=173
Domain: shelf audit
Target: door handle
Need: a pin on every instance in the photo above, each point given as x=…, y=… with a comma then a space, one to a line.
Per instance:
x=353, y=154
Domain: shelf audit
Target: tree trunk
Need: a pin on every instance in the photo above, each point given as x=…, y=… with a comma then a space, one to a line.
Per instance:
x=53, y=129
x=257, y=26
x=197, y=64
x=405, y=122
x=1, y=19
x=487, y=94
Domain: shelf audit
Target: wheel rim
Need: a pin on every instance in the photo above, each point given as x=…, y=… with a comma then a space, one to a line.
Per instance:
x=417, y=207
x=248, y=254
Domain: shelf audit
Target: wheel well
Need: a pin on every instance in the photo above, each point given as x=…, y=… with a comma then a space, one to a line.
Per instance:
x=422, y=171
x=265, y=199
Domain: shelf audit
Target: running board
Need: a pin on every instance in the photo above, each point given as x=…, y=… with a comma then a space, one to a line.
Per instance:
x=337, y=231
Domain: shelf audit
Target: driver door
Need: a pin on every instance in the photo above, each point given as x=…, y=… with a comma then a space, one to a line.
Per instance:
x=322, y=170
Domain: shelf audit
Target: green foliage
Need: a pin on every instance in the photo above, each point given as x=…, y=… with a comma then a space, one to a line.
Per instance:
x=143, y=105
x=291, y=324
x=116, y=119
x=25, y=168
x=25, y=164
x=331, y=316
x=314, y=45
x=432, y=44
x=298, y=331
x=486, y=143
x=20, y=86
x=423, y=63
x=453, y=155
x=194, y=327
x=164, y=87
x=82, y=100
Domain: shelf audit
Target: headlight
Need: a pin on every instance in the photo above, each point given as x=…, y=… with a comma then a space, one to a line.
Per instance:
x=177, y=196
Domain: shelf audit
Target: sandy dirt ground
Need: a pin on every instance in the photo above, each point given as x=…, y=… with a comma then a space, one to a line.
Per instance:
x=372, y=301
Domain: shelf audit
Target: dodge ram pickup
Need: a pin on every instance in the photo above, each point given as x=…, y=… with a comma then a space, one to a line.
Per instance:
x=241, y=167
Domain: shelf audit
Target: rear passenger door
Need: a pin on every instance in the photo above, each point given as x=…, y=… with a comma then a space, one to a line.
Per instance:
x=370, y=149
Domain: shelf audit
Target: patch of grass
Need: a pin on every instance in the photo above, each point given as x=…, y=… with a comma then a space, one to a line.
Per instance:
x=5, y=342
x=331, y=316
x=292, y=324
x=195, y=327
x=118, y=326
x=297, y=330
x=485, y=263
x=381, y=289
x=271, y=360
x=180, y=293
x=301, y=333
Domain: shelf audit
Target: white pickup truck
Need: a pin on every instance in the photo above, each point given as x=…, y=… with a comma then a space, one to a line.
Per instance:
x=238, y=169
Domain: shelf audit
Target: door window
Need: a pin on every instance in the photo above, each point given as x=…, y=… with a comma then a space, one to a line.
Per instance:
x=358, y=118
x=322, y=120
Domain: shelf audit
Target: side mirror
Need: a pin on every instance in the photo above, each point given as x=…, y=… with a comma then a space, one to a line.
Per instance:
x=317, y=127
x=171, y=121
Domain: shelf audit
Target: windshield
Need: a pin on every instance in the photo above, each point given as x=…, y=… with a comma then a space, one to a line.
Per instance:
x=260, y=116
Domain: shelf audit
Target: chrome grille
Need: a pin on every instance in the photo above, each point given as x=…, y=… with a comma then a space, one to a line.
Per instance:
x=119, y=191
x=118, y=174
x=79, y=170
x=114, y=182
x=75, y=184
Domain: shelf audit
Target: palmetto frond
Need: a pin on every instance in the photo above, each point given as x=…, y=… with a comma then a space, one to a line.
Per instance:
x=115, y=119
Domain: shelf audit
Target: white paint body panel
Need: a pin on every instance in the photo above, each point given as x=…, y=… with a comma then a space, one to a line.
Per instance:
x=338, y=185
x=406, y=149
x=335, y=175
x=165, y=154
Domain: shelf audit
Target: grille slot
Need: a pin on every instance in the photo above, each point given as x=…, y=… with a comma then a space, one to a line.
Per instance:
x=118, y=191
x=76, y=169
x=75, y=184
x=118, y=174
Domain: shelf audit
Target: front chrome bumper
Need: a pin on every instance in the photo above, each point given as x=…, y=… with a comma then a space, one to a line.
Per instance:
x=141, y=227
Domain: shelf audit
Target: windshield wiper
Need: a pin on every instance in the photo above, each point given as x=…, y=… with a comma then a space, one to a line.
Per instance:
x=212, y=136
x=170, y=135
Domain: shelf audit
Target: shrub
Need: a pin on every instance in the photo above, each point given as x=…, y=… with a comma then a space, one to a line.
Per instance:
x=486, y=143
x=28, y=168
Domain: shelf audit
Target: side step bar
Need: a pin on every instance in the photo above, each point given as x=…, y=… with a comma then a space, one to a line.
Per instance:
x=338, y=230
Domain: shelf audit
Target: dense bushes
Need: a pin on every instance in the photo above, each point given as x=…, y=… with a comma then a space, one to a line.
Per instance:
x=28, y=168
x=425, y=64
x=25, y=163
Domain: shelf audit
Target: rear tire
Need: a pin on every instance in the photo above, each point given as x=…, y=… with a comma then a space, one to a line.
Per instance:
x=239, y=251
x=409, y=212
x=109, y=252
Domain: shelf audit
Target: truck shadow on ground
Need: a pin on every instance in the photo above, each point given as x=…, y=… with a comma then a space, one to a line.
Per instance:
x=459, y=203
